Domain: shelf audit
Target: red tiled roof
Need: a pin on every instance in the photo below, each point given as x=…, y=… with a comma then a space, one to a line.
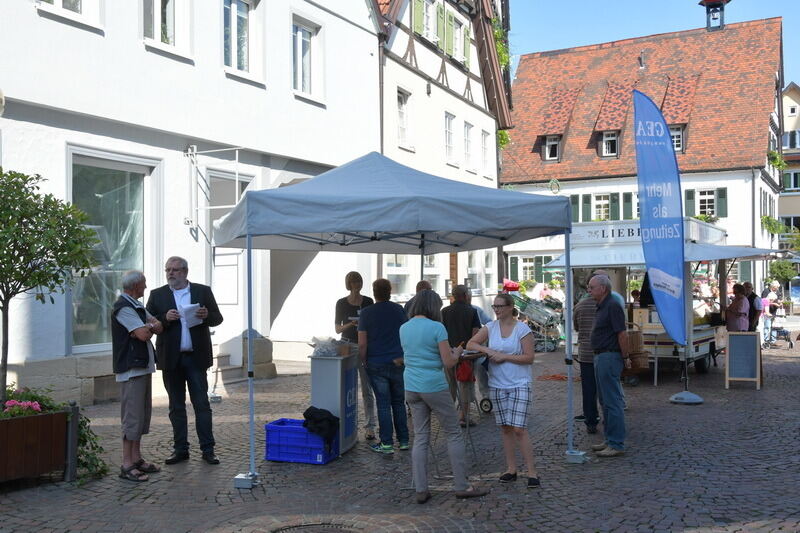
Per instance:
x=720, y=83
x=556, y=117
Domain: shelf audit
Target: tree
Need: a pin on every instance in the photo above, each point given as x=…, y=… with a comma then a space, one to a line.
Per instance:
x=43, y=243
x=782, y=270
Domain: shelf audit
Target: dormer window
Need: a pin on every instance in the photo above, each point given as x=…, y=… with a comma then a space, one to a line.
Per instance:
x=552, y=148
x=676, y=133
x=792, y=110
x=609, y=144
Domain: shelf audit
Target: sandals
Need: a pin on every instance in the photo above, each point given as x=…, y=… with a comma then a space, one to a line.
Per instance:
x=148, y=468
x=127, y=473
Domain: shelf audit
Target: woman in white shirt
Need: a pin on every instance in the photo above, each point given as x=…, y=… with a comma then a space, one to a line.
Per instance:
x=509, y=346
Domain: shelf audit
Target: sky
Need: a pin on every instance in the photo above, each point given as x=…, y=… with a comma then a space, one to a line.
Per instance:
x=540, y=25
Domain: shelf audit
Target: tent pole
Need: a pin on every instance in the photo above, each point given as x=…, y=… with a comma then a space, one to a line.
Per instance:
x=571, y=455
x=422, y=258
x=247, y=481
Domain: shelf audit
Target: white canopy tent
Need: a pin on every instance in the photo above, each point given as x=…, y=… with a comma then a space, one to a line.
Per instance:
x=373, y=204
x=631, y=254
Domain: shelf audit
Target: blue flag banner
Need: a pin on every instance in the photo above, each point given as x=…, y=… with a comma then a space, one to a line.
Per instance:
x=661, y=215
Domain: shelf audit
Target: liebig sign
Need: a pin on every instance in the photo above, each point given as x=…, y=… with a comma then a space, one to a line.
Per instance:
x=661, y=214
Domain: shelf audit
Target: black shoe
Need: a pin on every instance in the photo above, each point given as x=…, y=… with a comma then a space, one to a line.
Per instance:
x=533, y=483
x=508, y=477
x=176, y=457
x=211, y=458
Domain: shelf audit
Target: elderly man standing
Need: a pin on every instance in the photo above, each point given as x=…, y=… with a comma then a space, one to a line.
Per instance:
x=134, y=363
x=610, y=345
x=184, y=354
x=756, y=306
x=583, y=322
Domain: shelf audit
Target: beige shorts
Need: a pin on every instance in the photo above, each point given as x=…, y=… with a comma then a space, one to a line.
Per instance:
x=136, y=406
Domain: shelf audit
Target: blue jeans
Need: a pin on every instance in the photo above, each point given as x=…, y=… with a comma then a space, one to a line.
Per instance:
x=607, y=369
x=189, y=374
x=589, y=394
x=769, y=336
x=387, y=383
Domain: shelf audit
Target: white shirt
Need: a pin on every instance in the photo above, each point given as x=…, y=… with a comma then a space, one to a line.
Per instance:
x=130, y=320
x=508, y=375
x=183, y=298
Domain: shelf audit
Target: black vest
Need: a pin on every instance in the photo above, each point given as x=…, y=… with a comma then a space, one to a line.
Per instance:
x=753, y=314
x=129, y=352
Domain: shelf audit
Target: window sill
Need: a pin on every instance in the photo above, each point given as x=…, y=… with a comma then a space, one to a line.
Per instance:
x=299, y=95
x=67, y=15
x=471, y=170
x=244, y=76
x=407, y=148
x=453, y=164
x=168, y=49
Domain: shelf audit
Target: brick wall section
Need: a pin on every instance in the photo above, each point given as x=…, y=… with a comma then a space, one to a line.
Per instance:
x=722, y=83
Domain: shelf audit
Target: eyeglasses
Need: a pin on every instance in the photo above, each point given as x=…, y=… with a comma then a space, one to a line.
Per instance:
x=500, y=306
x=168, y=270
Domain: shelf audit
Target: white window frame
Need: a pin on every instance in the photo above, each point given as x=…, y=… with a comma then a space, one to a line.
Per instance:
x=403, y=98
x=552, y=143
x=232, y=62
x=89, y=14
x=468, y=158
x=458, y=40
x=605, y=143
x=792, y=111
x=676, y=134
x=315, y=92
x=795, y=186
x=181, y=38
x=429, y=21
x=601, y=206
x=706, y=202
x=485, y=151
x=792, y=140
x=449, y=138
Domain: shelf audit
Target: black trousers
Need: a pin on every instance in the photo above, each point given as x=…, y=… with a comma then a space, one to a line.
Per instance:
x=189, y=375
x=589, y=394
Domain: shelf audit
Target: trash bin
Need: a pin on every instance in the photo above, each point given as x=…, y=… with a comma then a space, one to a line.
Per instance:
x=334, y=386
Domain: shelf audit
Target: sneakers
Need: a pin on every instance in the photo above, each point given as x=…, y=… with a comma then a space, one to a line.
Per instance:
x=610, y=452
x=403, y=446
x=598, y=447
x=381, y=448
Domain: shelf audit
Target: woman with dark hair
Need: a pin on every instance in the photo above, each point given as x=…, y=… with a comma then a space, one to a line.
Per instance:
x=426, y=352
x=508, y=344
x=348, y=309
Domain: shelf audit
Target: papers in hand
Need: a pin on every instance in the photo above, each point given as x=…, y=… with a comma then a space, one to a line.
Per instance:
x=189, y=313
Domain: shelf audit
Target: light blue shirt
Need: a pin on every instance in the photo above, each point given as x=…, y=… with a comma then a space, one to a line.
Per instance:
x=420, y=338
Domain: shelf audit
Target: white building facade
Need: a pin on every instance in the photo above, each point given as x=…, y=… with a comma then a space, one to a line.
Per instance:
x=153, y=116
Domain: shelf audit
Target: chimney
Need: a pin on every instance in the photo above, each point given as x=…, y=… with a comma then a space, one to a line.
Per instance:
x=715, y=13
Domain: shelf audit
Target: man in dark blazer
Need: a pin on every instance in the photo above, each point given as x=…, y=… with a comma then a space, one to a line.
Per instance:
x=183, y=353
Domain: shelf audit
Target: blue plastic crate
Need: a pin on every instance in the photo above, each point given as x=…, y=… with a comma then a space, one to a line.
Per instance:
x=289, y=441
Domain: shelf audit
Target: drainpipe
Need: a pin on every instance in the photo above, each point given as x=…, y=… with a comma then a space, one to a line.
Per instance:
x=381, y=55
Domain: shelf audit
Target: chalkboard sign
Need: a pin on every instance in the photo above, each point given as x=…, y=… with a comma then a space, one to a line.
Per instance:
x=744, y=358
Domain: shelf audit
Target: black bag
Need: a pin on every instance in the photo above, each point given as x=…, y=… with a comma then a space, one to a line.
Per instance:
x=323, y=423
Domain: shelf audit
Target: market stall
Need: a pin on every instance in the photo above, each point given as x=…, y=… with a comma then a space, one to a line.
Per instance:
x=617, y=245
x=391, y=209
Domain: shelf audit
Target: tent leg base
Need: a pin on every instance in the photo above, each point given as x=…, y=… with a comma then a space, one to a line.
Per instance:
x=246, y=481
x=686, y=398
x=576, y=457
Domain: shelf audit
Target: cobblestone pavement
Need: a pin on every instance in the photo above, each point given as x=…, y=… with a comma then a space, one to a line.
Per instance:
x=731, y=464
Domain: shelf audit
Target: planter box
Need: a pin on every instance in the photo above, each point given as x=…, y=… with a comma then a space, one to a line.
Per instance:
x=32, y=445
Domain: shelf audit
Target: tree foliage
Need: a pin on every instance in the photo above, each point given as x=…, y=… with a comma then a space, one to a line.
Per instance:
x=43, y=243
x=782, y=270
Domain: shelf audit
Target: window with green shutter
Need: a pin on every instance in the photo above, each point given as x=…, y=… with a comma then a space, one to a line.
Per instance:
x=514, y=268
x=627, y=206
x=745, y=271
x=722, y=202
x=574, y=202
x=418, y=14
x=467, y=46
x=586, y=208
x=448, y=36
x=688, y=202
x=440, y=26
x=614, y=206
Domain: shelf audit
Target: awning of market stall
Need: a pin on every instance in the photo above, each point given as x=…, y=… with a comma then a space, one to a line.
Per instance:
x=632, y=254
